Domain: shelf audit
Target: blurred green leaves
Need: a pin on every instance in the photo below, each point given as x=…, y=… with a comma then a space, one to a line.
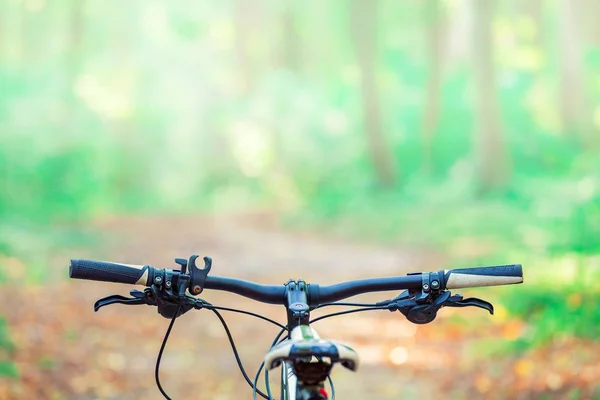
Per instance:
x=7, y=367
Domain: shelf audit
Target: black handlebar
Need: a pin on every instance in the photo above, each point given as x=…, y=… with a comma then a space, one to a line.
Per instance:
x=272, y=294
x=275, y=294
x=340, y=291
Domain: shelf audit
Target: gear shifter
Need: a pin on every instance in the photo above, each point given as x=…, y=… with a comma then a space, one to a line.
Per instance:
x=423, y=307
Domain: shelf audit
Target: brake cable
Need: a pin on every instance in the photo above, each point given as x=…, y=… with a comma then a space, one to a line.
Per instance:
x=211, y=307
x=348, y=312
x=160, y=353
x=347, y=304
x=268, y=387
x=215, y=309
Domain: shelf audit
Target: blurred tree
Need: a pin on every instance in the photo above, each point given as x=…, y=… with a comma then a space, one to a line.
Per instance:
x=590, y=23
x=490, y=149
x=593, y=16
x=572, y=92
x=435, y=36
x=534, y=9
x=246, y=23
x=290, y=41
x=72, y=61
x=74, y=52
x=364, y=29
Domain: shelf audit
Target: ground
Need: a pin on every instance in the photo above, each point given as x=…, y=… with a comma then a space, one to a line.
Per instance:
x=64, y=350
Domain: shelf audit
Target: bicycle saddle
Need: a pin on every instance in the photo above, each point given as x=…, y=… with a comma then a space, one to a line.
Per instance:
x=304, y=344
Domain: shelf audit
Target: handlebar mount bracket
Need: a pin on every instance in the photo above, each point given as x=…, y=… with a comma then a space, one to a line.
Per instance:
x=197, y=275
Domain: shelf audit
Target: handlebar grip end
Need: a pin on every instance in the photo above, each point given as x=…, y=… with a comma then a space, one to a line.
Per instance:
x=483, y=276
x=110, y=272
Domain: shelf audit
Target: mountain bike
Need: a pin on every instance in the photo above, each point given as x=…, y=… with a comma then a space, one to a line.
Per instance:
x=305, y=359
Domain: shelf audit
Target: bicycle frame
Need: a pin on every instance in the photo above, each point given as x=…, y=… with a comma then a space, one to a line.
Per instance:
x=290, y=386
x=288, y=378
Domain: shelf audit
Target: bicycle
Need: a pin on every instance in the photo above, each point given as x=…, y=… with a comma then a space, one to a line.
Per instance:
x=305, y=359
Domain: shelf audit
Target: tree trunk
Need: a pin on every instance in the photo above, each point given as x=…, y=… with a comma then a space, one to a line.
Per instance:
x=492, y=157
x=534, y=9
x=290, y=40
x=246, y=23
x=435, y=31
x=73, y=62
x=76, y=18
x=594, y=9
x=364, y=30
x=572, y=94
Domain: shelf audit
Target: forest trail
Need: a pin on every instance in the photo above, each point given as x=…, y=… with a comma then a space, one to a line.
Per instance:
x=66, y=351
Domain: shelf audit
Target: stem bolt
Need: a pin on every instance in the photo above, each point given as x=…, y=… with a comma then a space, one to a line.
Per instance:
x=435, y=284
x=158, y=280
x=426, y=287
x=168, y=284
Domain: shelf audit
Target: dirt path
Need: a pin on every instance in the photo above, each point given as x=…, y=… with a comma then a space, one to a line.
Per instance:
x=65, y=350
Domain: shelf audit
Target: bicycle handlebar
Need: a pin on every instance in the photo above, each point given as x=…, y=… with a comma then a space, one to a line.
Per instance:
x=272, y=294
x=275, y=294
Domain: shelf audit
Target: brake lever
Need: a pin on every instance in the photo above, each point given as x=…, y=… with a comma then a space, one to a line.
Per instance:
x=458, y=301
x=118, y=299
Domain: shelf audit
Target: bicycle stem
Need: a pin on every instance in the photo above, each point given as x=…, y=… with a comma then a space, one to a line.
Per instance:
x=296, y=303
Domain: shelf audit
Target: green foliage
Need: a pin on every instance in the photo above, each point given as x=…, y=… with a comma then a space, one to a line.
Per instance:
x=46, y=363
x=8, y=369
x=5, y=342
x=560, y=303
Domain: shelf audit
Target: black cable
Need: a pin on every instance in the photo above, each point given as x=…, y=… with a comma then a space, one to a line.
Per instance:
x=267, y=384
x=347, y=304
x=332, y=387
x=215, y=309
x=211, y=307
x=262, y=365
x=235, y=353
x=283, y=329
x=347, y=312
x=254, y=390
x=160, y=353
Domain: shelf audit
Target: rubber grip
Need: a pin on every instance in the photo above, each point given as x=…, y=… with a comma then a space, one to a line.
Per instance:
x=483, y=276
x=110, y=272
